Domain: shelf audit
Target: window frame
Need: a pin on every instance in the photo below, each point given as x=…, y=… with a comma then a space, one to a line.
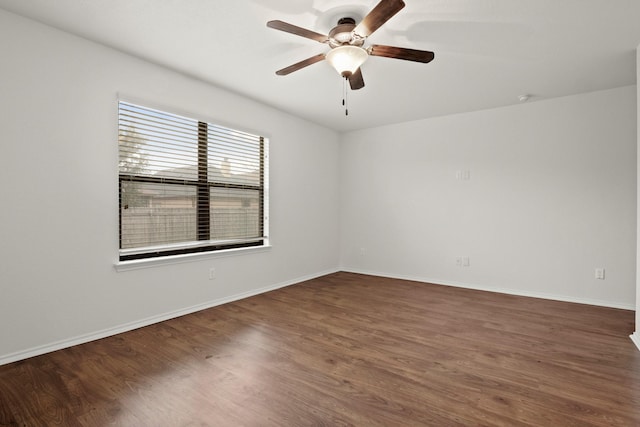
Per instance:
x=203, y=243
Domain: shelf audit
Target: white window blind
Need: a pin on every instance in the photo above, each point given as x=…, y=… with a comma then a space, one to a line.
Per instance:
x=186, y=185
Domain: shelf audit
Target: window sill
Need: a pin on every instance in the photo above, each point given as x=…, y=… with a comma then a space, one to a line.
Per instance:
x=179, y=259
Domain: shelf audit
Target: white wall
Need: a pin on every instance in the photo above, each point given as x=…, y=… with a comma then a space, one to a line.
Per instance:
x=551, y=196
x=58, y=181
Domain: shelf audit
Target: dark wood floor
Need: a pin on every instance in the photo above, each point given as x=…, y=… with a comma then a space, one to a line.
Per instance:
x=345, y=349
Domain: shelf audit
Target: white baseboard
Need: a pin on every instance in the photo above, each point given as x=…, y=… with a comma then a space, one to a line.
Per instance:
x=635, y=337
x=508, y=291
x=92, y=336
x=81, y=339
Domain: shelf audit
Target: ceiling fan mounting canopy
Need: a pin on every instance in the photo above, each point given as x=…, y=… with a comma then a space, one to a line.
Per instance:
x=346, y=41
x=346, y=20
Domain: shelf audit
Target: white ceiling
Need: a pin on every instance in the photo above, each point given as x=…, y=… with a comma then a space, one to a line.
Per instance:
x=488, y=52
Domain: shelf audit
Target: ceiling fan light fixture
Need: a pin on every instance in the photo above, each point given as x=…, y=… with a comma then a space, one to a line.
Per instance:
x=346, y=59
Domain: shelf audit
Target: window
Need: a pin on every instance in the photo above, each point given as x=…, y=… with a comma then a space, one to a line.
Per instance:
x=187, y=186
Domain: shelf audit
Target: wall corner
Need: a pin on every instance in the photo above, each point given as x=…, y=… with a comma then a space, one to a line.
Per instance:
x=636, y=336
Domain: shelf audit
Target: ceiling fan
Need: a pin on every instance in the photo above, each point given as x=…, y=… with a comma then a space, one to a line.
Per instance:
x=347, y=41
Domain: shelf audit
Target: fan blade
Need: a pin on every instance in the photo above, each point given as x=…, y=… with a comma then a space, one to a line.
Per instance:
x=298, y=65
x=356, y=81
x=401, y=53
x=378, y=16
x=298, y=31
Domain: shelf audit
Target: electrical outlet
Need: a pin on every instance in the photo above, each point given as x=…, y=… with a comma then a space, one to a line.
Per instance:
x=463, y=175
x=212, y=273
x=600, y=273
x=459, y=261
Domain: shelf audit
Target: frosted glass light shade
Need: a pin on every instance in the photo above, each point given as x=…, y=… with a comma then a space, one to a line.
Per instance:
x=346, y=59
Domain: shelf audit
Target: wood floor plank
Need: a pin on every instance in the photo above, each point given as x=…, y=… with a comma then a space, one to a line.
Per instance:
x=345, y=350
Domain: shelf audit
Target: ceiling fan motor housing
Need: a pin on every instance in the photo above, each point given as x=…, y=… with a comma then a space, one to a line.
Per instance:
x=342, y=34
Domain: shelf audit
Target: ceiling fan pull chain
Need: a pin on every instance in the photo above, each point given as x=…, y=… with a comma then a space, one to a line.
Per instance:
x=345, y=96
x=344, y=102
